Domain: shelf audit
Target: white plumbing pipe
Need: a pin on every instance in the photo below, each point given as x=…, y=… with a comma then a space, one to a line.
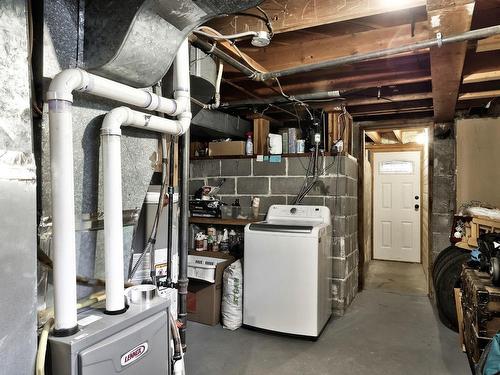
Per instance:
x=60, y=100
x=63, y=215
x=112, y=176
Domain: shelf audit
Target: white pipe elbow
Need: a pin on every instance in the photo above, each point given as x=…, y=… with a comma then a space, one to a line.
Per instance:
x=183, y=101
x=184, y=120
x=64, y=83
x=114, y=120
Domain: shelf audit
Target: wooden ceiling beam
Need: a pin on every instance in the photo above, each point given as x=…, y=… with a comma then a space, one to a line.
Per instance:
x=398, y=133
x=388, y=99
x=391, y=112
x=290, y=15
x=374, y=136
x=447, y=61
x=311, y=51
x=488, y=44
x=492, y=75
x=479, y=95
x=360, y=82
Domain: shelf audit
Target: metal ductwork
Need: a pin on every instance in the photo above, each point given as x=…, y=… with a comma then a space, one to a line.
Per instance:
x=219, y=124
x=135, y=41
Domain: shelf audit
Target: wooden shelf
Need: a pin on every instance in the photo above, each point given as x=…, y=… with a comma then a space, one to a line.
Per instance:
x=217, y=221
x=303, y=155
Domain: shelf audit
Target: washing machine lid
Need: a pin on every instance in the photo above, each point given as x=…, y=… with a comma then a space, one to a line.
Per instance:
x=280, y=228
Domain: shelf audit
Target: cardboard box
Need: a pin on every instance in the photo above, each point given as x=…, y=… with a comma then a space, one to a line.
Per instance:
x=204, y=299
x=231, y=148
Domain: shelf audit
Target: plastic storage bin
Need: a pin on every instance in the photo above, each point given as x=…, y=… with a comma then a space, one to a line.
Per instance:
x=202, y=267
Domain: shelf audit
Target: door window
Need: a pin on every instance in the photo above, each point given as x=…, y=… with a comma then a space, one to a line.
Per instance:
x=396, y=167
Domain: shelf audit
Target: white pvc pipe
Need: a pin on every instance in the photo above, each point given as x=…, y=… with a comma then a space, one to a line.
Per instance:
x=113, y=228
x=63, y=211
x=60, y=100
x=112, y=179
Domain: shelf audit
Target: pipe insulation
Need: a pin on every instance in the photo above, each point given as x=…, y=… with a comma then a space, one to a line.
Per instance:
x=60, y=100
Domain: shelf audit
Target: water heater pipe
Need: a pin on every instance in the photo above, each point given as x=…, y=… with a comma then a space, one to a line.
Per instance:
x=60, y=101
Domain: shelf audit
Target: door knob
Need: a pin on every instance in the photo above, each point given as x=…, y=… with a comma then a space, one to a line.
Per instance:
x=417, y=207
x=416, y=197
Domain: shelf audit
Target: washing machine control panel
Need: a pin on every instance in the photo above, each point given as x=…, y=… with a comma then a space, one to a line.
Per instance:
x=283, y=212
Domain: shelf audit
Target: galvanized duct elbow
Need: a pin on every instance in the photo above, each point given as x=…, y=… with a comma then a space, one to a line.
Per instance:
x=137, y=43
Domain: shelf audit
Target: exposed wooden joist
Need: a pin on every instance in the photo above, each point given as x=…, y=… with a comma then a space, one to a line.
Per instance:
x=389, y=99
x=492, y=75
x=289, y=15
x=479, y=95
x=353, y=82
x=390, y=111
x=489, y=44
x=447, y=62
x=398, y=134
x=440, y=4
x=374, y=136
x=310, y=51
x=407, y=124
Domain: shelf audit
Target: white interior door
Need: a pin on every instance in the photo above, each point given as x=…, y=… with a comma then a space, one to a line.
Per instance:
x=396, y=206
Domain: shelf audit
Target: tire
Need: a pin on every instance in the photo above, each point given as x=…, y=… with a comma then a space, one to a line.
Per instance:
x=442, y=258
x=495, y=270
x=448, y=278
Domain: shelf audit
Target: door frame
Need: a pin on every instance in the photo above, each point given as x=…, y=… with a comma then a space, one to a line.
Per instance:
x=399, y=148
x=360, y=129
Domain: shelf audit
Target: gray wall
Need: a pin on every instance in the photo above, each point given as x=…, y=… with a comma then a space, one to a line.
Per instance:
x=17, y=196
x=443, y=186
x=278, y=183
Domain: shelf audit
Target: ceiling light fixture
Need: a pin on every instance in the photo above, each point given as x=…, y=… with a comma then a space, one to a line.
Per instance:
x=261, y=39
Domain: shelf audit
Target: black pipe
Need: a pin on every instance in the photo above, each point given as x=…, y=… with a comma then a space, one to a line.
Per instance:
x=281, y=99
x=183, y=234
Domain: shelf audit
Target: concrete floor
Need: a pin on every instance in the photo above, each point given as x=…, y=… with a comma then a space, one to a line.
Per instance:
x=390, y=328
x=405, y=278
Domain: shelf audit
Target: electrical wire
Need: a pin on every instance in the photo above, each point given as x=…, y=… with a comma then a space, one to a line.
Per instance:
x=293, y=99
x=226, y=37
x=265, y=19
x=149, y=248
x=42, y=347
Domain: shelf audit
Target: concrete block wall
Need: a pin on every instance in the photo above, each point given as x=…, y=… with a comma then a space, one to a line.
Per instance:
x=443, y=193
x=279, y=183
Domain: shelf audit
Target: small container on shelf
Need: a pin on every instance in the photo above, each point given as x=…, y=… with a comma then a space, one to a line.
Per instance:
x=237, y=212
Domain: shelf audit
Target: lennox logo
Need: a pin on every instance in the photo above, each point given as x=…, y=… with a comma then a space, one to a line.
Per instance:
x=134, y=354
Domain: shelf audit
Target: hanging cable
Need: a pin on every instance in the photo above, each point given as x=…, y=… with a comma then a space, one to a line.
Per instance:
x=293, y=99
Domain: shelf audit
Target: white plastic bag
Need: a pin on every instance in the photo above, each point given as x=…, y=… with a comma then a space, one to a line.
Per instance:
x=232, y=296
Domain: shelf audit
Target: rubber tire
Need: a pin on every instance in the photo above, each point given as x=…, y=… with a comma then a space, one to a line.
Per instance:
x=495, y=270
x=447, y=279
x=442, y=258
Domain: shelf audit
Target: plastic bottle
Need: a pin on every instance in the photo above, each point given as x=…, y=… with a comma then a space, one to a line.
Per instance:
x=249, y=144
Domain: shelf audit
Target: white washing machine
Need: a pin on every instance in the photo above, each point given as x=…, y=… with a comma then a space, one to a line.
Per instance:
x=287, y=271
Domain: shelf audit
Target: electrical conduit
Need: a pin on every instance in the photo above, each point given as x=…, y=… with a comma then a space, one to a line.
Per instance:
x=60, y=101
